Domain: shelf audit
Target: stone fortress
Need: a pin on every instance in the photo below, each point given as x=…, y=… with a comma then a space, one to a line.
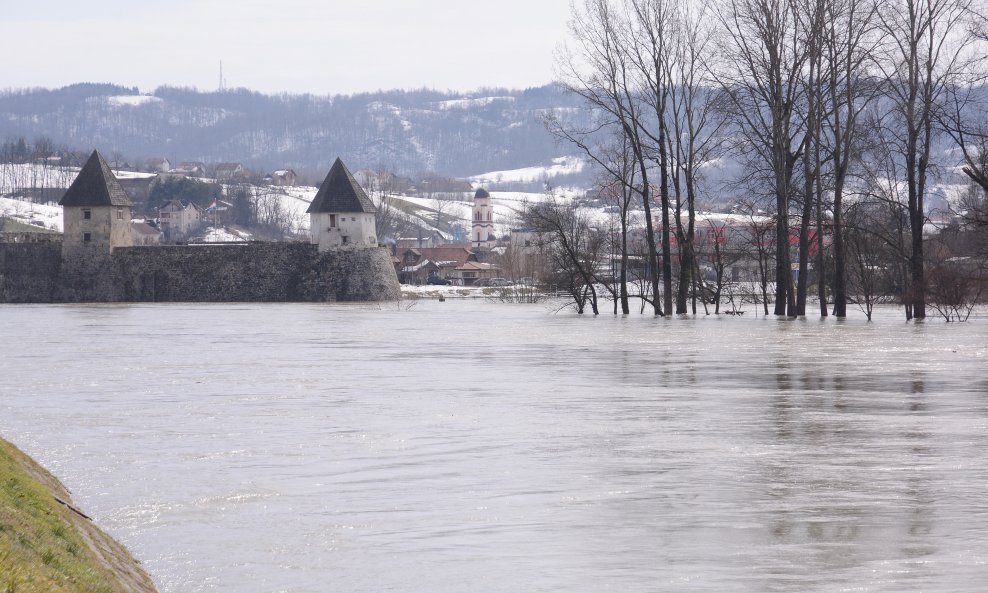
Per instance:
x=95, y=259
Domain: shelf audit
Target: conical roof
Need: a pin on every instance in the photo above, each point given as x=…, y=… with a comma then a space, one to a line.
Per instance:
x=95, y=186
x=340, y=192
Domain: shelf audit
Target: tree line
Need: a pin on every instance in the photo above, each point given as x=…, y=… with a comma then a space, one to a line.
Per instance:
x=844, y=116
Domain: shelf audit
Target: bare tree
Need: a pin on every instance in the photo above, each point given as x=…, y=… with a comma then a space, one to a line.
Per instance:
x=600, y=71
x=696, y=128
x=761, y=65
x=850, y=38
x=390, y=222
x=620, y=191
x=927, y=51
x=574, y=247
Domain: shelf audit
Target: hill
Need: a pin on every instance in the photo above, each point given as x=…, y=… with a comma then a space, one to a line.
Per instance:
x=407, y=132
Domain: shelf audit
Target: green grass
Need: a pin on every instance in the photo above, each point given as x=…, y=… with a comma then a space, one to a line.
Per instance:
x=40, y=549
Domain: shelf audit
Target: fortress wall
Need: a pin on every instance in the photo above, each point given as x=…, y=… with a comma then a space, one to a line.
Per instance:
x=29, y=271
x=353, y=275
x=258, y=272
x=211, y=273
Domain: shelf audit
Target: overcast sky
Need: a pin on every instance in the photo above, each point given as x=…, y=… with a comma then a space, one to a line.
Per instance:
x=315, y=46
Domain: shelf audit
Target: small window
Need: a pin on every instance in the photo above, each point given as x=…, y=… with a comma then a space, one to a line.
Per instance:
x=87, y=214
x=353, y=218
x=119, y=213
x=87, y=237
x=346, y=239
x=332, y=221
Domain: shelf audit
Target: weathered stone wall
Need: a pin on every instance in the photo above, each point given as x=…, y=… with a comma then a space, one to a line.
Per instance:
x=29, y=272
x=269, y=272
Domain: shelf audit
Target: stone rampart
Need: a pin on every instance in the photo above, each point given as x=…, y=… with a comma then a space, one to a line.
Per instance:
x=29, y=272
x=265, y=272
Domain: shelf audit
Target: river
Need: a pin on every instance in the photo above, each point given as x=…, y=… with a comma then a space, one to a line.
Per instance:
x=469, y=446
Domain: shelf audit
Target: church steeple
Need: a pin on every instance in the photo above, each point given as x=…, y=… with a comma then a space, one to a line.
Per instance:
x=482, y=234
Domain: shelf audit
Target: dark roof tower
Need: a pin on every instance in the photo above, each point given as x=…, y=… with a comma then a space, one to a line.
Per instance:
x=95, y=186
x=340, y=192
x=481, y=193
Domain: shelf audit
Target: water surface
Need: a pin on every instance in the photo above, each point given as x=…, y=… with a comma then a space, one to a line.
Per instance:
x=468, y=446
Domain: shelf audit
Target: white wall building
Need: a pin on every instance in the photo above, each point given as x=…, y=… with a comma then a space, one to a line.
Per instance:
x=342, y=214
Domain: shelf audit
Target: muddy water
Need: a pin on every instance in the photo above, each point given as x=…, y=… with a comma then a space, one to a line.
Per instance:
x=470, y=446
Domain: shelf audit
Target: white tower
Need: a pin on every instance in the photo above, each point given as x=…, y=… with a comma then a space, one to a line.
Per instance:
x=482, y=234
x=341, y=214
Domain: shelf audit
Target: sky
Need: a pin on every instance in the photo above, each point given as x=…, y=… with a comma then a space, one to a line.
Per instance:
x=294, y=46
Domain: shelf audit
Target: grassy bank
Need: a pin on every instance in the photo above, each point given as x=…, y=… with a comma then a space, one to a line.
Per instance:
x=46, y=544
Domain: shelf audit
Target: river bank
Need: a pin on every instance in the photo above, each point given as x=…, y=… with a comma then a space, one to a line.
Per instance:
x=48, y=544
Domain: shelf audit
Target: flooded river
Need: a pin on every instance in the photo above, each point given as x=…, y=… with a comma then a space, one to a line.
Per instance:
x=467, y=446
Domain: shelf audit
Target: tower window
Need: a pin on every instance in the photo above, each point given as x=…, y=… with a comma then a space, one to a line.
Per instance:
x=332, y=220
x=87, y=214
x=87, y=237
x=119, y=213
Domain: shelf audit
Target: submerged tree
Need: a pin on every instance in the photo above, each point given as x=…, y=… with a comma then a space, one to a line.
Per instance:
x=928, y=51
x=760, y=73
x=573, y=247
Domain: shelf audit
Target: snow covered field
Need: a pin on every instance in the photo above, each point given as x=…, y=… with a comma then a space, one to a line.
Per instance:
x=27, y=212
x=565, y=165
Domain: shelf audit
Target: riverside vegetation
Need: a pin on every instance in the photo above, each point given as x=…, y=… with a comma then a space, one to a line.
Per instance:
x=46, y=544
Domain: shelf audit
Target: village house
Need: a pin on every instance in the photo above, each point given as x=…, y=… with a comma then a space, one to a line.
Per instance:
x=178, y=219
x=736, y=241
x=190, y=169
x=456, y=263
x=145, y=234
x=158, y=165
x=342, y=214
x=228, y=172
x=282, y=177
x=429, y=239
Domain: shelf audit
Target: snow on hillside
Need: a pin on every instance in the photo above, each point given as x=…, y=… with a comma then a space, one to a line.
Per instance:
x=131, y=100
x=223, y=235
x=468, y=103
x=565, y=165
x=132, y=174
x=50, y=216
x=287, y=204
x=16, y=177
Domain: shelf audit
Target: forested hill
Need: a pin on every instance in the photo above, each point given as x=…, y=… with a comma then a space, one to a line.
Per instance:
x=406, y=131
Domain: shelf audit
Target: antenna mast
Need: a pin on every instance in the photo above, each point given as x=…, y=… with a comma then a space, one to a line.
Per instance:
x=222, y=84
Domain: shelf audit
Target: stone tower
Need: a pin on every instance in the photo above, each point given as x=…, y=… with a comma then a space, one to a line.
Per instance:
x=341, y=214
x=96, y=210
x=482, y=235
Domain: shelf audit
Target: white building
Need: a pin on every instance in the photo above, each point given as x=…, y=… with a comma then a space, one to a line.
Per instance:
x=179, y=219
x=482, y=235
x=341, y=214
